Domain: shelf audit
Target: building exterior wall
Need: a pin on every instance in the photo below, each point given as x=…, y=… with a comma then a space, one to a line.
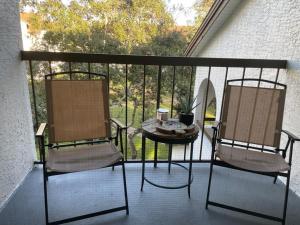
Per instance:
x=16, y=133
x=267, y=30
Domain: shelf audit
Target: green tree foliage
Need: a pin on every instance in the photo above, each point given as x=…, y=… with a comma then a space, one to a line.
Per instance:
x=111, y=26
x=202, y=7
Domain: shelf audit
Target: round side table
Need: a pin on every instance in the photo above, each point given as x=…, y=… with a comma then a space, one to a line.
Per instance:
x=177, y=133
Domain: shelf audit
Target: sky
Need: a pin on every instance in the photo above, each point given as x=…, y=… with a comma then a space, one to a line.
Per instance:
x=185, y=16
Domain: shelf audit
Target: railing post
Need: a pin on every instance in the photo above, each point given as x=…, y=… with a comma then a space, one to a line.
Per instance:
x=126, y=109
x=205, y=106
x=157, y=107
x=173, y=89
x=33, y=96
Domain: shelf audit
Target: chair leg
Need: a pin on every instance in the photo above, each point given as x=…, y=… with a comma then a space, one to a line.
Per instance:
x=155, y=154
x=45, y=178
x=209, y=184
x=286, y=197
x=125, y=188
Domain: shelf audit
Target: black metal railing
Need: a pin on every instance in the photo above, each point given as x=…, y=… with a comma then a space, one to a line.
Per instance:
x=141, y=84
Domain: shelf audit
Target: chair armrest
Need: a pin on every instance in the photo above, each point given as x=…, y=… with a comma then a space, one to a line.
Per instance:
x=290, y=135
x=40, y=132
x=120, y=128
x=118, y=123
x=214, y=126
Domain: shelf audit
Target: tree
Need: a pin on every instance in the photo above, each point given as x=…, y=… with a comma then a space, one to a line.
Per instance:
x=99, y=26
x=202, y=7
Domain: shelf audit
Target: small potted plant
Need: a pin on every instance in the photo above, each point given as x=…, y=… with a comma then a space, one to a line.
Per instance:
x=185, y=108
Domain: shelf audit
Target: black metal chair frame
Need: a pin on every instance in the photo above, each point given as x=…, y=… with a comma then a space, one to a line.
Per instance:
x=216, y=162
x=40, y=135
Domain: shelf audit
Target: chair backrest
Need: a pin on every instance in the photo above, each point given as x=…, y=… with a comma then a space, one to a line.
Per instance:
x=253, y=114
x=77, y=109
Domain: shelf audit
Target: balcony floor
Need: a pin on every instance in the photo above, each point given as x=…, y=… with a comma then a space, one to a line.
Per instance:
x=79, y=193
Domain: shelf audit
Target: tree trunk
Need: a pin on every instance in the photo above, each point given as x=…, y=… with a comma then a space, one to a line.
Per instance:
x=130, y=135
x=133, y=131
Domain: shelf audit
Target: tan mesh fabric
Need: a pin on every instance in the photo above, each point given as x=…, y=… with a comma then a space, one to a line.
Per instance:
x=252, y=114
x=82, y=158
x=77, y=109
x=252, y=160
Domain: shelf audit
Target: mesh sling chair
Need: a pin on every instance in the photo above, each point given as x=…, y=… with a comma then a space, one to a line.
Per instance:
x=78, y=112
x=248, y=136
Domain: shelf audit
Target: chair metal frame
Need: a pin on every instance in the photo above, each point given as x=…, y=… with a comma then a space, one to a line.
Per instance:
x=40, y=135
x=216, y=162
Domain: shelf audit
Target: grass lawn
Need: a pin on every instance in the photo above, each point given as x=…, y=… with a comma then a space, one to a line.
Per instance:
x=162, y=153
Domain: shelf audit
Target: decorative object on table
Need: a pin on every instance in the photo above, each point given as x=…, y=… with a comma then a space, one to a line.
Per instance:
x=173, y=126
x=185, y=108
x=162, y=114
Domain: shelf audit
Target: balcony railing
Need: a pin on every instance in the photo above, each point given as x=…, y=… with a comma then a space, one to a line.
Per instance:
x=141, y=84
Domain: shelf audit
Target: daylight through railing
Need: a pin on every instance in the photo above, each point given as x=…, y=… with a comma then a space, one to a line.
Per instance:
x=139, y=85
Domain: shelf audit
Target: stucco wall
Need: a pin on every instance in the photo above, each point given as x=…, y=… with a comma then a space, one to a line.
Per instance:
x=267, y=30
x=16, y=133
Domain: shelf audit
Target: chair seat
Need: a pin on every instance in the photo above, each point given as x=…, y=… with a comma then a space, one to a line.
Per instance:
x=252, y=160
x=81, y=158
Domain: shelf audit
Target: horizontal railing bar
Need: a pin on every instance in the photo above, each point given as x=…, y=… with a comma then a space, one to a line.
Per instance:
x=151, y=60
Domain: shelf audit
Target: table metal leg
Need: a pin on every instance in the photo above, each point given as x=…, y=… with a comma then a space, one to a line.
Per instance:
x=155, y=154
x=184, y=153
x=190, y=169
x=170, y=157
x=143, y=160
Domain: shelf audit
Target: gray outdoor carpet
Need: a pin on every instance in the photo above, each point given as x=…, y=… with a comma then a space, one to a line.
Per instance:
x=86, y=192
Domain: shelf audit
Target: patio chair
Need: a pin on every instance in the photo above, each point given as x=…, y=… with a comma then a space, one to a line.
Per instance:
x=79, y=131
x=247, y=138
